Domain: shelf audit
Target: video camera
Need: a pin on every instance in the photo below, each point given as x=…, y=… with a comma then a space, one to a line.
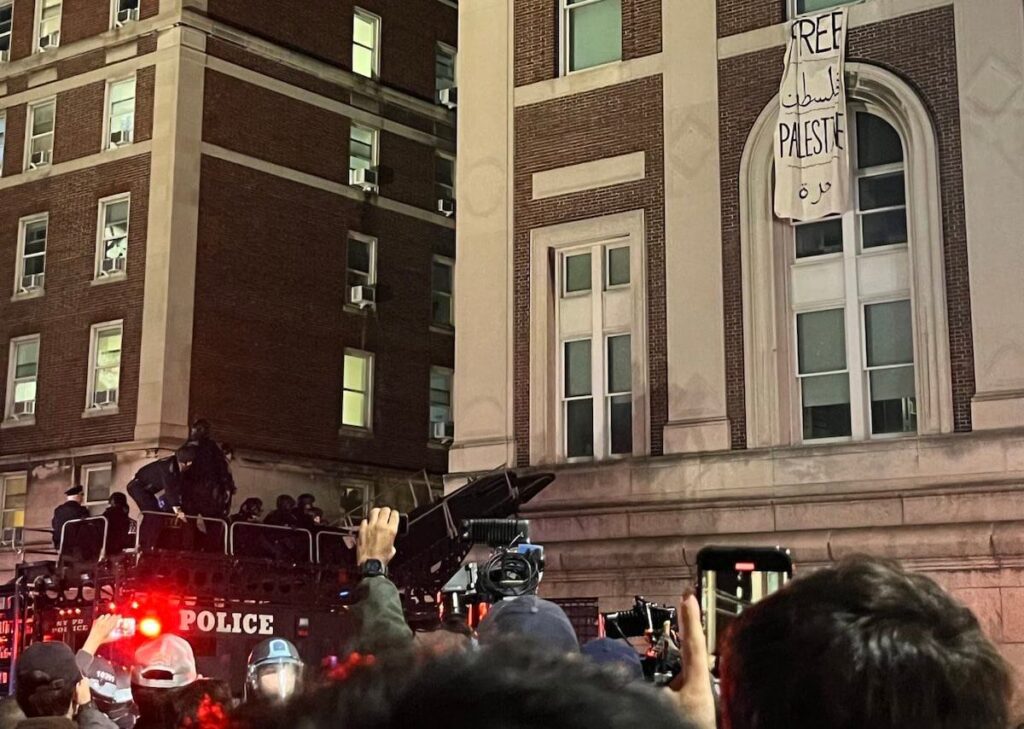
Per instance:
x=656, y=624
x=514, y=568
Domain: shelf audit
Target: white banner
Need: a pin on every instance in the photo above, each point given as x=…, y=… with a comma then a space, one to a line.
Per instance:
x=812, y=160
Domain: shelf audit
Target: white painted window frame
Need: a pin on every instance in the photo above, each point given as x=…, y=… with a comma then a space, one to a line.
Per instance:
x=453, y=53
x=371, y=241
x=87, y=469
x=30, y=136
x=367, y=392
x=5, y=478
x=450, y=263
x=374, y=145
x=10, y=33
x=565, y=42
x=3, y=139
x=108, y=111
x=16, y=342
x=101, y=223
x=375, y=51
x=115, y=8
x=449, y=373
x=94, y=335
x=791, y=8
x=38, y=29
x=19, y=266
x=445, y=191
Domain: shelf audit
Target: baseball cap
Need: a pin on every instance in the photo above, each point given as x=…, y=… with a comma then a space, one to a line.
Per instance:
x=610, y=652
x=164, y=663
x=107, y=682
x=531, y=618
x=46, y=666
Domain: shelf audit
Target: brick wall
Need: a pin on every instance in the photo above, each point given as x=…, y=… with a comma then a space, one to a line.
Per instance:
x=14, y=141
x=72, y=304
x=740, y=16
x=409, y=33
x=270, y=328
x=22, y=29
x=79, y=19
x=536, y=36
x=922, y=49
x=78, y=130
x=603, y=123
x=144, y=80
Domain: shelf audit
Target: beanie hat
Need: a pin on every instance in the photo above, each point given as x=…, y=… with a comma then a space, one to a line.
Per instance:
x=532, y=619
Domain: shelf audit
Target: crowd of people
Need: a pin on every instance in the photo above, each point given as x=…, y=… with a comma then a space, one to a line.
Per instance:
x=859, y=644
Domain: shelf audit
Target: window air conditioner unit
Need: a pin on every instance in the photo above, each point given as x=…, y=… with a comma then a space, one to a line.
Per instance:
x=104, y=398
x=11, y=537
x=365, y=178
x=446, y=206
x=126, y=16
x=120, y=137
x=32, y=282
x=23, y=409
x=49, y=41
x=365, y=297
x=110, y=266
x=5, y=55
x=443, y=431
x=39, y=159
x=448, y=97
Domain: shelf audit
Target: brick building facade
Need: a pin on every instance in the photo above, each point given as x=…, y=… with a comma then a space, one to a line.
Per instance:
x=633, y=316
x=184, y=238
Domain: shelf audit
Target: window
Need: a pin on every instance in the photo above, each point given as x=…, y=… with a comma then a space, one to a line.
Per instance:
x=444, y=182
x=444, y=67
x=104, y=366
x=362, y=149
x=96, y=479
x=597, y=369
x=3, y=136
x=47, y=24
x=365, y=44
x=112, y=246
x=855, y=363
x=6, y=20
x=361, y=259
x=591, y=33
x=22, y=379
x=357, y=394
x=15, y=492
x=40, y=134
x=124, y=11
x=799, y=7
x=441, y=284
x=355, y=496
x=30, y=273
x=120, y=113
x=441, y=427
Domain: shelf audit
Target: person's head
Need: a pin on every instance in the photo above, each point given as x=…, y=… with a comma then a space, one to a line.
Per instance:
x=285, y=503
x=111, y=690
x=274, y=671
x=118, y=501
x=316, y=515
x=306, y=501
x=862, y=644
x=200, y=429
x=46, y=680
x=530, y=619
x=615, y=655
x=192, y=706
x=251, y=508
x=166, y=662
x=186, y=456
x=76, y=493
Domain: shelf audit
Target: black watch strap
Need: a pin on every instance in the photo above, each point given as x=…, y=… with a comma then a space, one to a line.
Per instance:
x=373, y=568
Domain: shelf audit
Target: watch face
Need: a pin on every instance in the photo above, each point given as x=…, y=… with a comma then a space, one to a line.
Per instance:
x=372, y=567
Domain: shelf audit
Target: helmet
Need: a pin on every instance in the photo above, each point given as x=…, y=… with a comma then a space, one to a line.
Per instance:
x=274, y=672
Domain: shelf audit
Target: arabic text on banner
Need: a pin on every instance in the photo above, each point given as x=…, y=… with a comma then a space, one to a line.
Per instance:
x=812, y=161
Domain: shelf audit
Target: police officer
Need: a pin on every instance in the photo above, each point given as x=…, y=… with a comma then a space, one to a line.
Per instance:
x=208, y=486
x=119, y=524
x=163, y=476
x=274, y=673
x=70, y=510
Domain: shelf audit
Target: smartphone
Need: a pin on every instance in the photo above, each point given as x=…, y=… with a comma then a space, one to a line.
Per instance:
x=731, y=579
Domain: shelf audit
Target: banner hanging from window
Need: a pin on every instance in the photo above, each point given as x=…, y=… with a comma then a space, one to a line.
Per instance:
x=812, y=160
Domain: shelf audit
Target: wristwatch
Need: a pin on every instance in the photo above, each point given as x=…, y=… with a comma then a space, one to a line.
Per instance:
x=373, y=568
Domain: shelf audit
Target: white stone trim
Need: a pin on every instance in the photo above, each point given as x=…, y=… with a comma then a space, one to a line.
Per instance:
x=77, y=165
x=589, y=79
x=768, y=366
x=113, y=72
x=589, y=175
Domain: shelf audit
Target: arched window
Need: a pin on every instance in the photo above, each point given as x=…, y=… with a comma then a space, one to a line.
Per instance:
x=845, y=318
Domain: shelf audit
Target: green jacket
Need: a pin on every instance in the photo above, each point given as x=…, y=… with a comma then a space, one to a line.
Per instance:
x=379, y=621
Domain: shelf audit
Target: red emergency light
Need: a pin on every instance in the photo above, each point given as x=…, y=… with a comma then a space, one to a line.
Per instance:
x=744, y=566
x=150, y=627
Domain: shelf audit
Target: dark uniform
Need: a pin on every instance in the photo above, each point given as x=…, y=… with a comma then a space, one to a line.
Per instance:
x=208, y=485
x=119, y=525
x=159, y=477
x=68, y=511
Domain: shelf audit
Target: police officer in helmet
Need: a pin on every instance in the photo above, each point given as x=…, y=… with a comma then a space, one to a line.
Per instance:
x=274, y=673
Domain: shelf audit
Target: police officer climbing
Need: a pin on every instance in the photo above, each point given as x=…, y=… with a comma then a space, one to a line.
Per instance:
x=208, y=485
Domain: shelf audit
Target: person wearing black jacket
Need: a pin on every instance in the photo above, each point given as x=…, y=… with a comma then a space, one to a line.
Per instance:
x=70, y=510
x=208, y=485
x=162, y=477
x=119, y=525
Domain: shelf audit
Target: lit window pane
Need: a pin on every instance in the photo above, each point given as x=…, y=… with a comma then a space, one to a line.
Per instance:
x=577, y=273
x=884, y=229
x=819, y=239
x=26, y=359
x=877, y=142
x=813, y=6
x=97, y=486
x=25, y=391
x=355, y=373
x=579, y=425
x=595, y=34
x=882, y=191
x=42, y=119
x=362, y=61
x=363, y=31
x=618, y=266
x=821, y=341
x=353, y=409
x=826, y=406
x=620, y=371
x=577, y=368
x=889, y=334
x=621, y=415
x=893, y=401
x=15, y=486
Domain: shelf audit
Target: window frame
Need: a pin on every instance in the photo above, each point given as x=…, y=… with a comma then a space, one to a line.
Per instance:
x=367, y=393
x=792, y=14
x=866, y=369
x=565, y=41
x=449, y=374
x=12, y=364
x=441, y=188
x=440, y=48
x=19, y=536
x=377, y=22
x=371, y=241
x=101, y=224
x=95, y=331
x=19, y=265
x=115, y=10
x=10, y=33
x=450, y=263
x=374, y=146
x=85, y=470
x=38, y=27
x=30, y=117
x=108, y=111
x=3, y=139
